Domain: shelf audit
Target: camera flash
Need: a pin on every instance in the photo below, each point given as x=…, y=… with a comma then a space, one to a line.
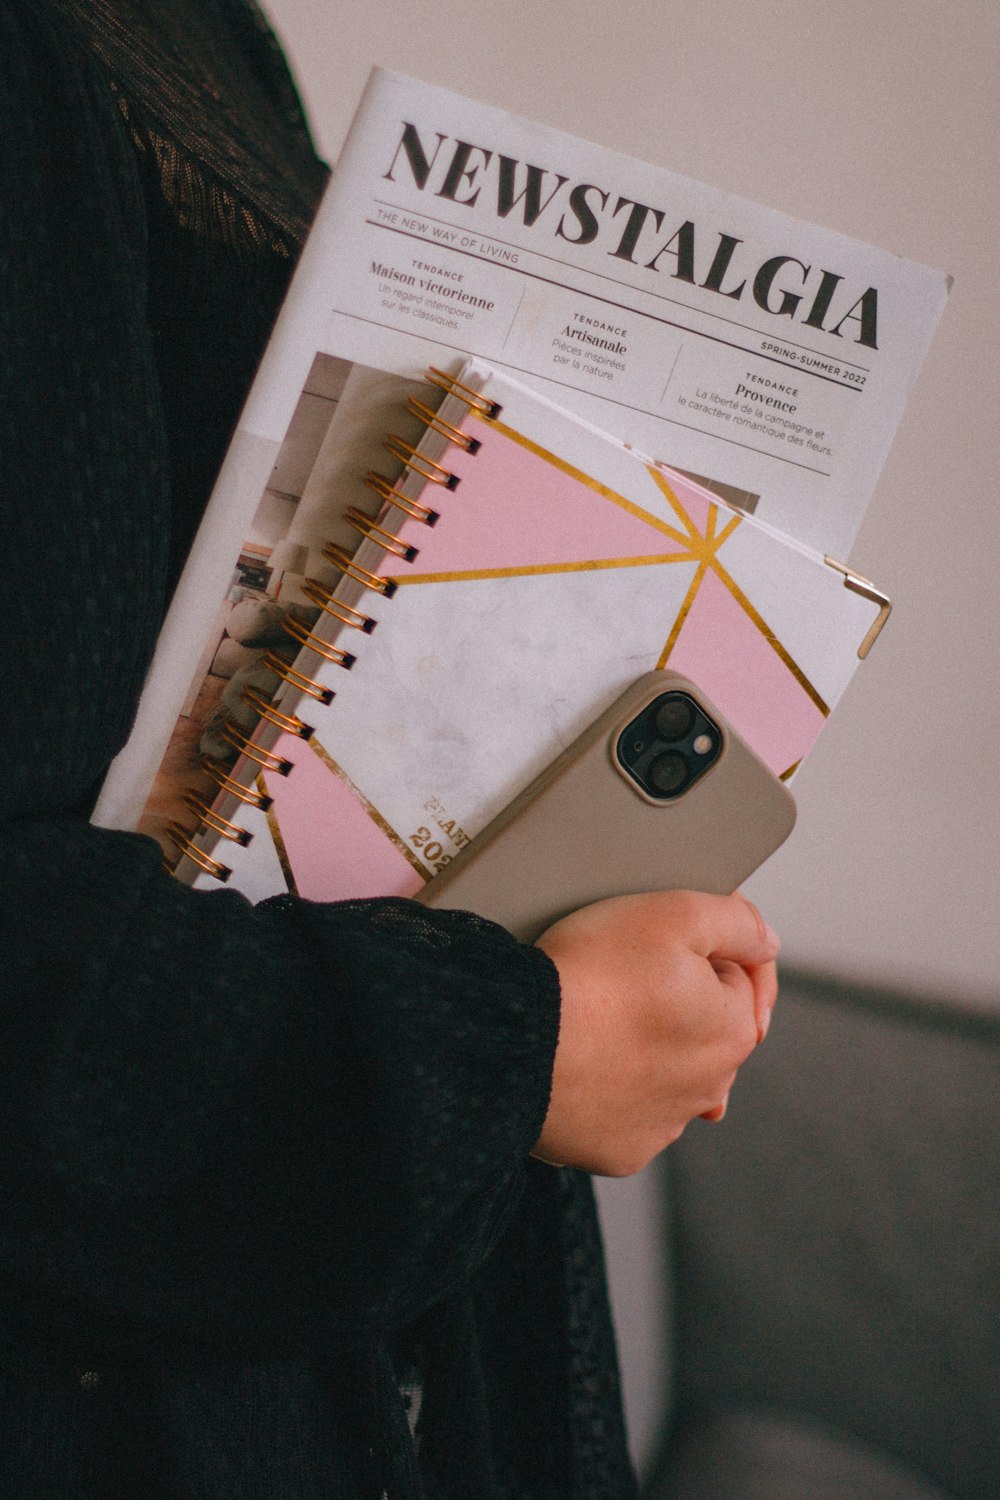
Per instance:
x=703, y=744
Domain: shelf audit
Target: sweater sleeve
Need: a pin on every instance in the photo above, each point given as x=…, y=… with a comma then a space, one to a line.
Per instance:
x=224, y=1127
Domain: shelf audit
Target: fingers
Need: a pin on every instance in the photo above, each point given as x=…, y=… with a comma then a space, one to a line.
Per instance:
x=731, y=927
x=757, y=983
x=763, y=982
x=764, y=979
x=664, y=995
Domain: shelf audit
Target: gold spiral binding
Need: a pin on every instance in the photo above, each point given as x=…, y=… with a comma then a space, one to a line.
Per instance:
x=345, y=613
x=387, y=491
x=289, y=674
x=233, y=735
x=387, y=540
x=305, y=637
x=319, y=594
x=182, y=839
x=434, y=473
x=247, y=794
x=290, y=723
x=216, y=821
x=473, y=399
x=343, y=560
x=444, y=429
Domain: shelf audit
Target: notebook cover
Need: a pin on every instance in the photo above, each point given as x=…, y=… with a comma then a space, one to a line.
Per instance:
x=560, y=566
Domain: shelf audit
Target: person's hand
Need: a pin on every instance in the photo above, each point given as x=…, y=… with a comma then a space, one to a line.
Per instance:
x=663, y=997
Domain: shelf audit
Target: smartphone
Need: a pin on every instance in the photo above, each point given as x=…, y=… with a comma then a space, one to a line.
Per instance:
x=660, y=793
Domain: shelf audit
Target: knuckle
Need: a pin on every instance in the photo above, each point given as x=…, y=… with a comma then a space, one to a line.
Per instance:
x=685, y=906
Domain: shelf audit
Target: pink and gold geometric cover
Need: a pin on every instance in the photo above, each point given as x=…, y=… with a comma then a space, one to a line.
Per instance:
x=561, y=566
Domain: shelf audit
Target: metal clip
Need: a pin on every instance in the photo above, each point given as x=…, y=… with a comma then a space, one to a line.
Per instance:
x=867, y=590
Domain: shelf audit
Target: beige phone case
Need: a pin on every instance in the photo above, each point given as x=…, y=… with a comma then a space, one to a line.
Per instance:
x=583, y=830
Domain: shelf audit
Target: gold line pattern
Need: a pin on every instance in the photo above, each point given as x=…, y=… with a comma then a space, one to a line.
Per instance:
x=693, y=534
x=728, y=530
x=589, y=565
x=370, y=808
x=696, y=547
x=682, y=615
x=701, y=549
x=771, y=638
x=710, y=560
x=274, y=830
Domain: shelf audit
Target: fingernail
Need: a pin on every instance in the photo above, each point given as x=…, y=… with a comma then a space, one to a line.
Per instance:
x=772, y=936
x=763, y=1027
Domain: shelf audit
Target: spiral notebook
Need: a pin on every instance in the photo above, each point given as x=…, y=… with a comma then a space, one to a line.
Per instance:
x=521, y=569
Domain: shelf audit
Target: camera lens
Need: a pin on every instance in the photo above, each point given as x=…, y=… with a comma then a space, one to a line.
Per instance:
x=674, y=718
x=668, y=773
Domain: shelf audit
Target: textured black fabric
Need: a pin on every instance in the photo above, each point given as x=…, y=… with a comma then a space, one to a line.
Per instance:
x=244, y=1153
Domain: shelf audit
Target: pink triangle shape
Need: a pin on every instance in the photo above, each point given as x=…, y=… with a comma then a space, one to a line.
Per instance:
x=335, y=849
x=722, y=650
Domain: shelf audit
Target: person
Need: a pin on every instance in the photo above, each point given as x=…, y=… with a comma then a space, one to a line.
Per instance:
x=267, y=1172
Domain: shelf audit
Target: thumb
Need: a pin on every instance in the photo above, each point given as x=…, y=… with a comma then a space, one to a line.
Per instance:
x=731, y=929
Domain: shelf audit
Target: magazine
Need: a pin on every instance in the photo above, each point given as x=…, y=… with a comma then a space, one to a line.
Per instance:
x=761, y=357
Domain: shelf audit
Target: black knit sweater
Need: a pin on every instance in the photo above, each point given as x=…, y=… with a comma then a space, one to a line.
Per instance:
x=250, y=1158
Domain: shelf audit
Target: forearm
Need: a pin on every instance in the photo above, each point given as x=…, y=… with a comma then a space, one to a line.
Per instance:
x=234, y=1123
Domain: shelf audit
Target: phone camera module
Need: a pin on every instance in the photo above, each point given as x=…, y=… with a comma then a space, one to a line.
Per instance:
x=669, y=746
